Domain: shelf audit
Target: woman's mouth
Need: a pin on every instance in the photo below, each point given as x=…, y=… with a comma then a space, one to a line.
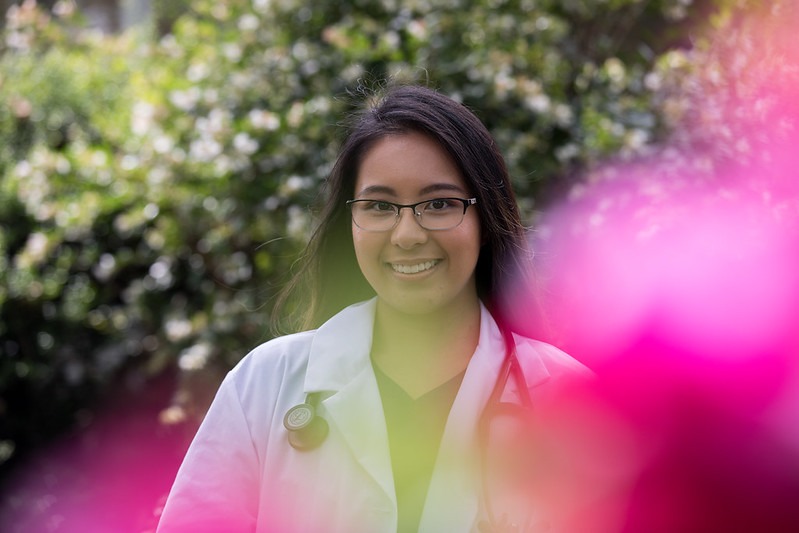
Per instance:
x=414, y=269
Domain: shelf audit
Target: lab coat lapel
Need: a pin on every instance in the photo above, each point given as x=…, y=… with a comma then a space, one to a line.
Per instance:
x=453, y=497
x=358, y=413
x=339, y=363
x=534, y=370
x=455, y=492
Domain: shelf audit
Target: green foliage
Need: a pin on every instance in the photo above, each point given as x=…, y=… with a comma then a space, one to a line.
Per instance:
x=154, y=193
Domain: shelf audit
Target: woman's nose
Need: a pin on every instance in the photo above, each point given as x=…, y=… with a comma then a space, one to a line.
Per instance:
x=408, y=233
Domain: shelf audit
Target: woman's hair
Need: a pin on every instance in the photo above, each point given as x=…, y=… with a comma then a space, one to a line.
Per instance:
x=329, y=278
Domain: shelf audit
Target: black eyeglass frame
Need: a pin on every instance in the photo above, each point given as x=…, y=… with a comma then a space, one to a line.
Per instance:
x=399, y=207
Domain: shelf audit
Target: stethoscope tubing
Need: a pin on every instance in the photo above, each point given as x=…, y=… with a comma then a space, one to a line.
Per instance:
x=510, y=365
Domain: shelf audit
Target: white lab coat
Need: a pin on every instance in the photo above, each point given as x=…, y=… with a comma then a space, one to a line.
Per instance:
x=241, y=474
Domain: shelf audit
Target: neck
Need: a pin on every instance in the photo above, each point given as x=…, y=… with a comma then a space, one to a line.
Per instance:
x=421, y=352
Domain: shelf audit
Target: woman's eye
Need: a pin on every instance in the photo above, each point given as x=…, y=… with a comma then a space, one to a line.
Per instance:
x=381, y=207
x=439, y=204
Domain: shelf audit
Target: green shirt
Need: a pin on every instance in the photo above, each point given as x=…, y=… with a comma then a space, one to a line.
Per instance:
x=415, y=427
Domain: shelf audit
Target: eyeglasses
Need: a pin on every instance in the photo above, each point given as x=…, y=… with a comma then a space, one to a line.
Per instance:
x=435, y=214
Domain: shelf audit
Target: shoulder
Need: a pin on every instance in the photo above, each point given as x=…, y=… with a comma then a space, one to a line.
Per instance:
x=540, y=357
x=288, y=350
x=272, y=365
x=549, y=372
x=554, y=356
x=300, y=361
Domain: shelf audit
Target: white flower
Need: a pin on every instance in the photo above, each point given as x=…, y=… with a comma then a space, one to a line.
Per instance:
x=542, y=23
x=300, y=51
x=245, y=144
x=218, y=119
x=241, y=80
x=129, y=162
x=264, y=120
x=104, y=267
x=220, y=11
x=567, y=152
x=195, y=357
x=261, y=5
x=62, y=165
x=211, y=96
x=319, y=104
x=503, y=82
x=163, y=144
x=271, y=203
x=653, y=81
x=539, y=103
x=295, y=114
x=392, y=40
x=151, y=211
x=417, y=29
x=352, y=71
x=248, y=22
x=204, y=149
x=23, y=169
x=198, y=72
x=142, y=117
x=615, y=70
x=185, y=100
x=156, y=176
x=223, y=165
x=232, y=52
x=177, y=329
x=161, y=273
x=213, y=124
x=99, y=158
x=296, y=183
x=36, y=248
x=563, y=114
x=64, y=8
x=170, y=45
x=18, y=40
x=636, y=138
x=298, y=221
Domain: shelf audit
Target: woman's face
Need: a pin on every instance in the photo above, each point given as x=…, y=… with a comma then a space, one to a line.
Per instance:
x=414, y=270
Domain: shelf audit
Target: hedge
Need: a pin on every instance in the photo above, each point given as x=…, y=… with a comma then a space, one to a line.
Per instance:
x=155, y=189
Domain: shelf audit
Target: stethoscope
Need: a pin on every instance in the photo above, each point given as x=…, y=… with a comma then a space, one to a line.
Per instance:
x=522, y=412
x=307, y=429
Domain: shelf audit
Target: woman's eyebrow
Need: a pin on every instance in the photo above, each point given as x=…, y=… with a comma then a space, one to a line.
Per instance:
x=434, y=187
x=377, y=189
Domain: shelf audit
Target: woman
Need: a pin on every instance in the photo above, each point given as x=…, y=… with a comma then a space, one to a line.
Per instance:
x=421, y=223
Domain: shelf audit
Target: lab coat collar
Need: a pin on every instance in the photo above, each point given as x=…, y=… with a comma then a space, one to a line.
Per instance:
x=340, y=348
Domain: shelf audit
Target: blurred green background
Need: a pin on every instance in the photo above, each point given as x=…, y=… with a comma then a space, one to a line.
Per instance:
x=157, y=181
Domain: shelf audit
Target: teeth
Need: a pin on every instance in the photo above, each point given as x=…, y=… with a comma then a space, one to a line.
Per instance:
x=413, y=269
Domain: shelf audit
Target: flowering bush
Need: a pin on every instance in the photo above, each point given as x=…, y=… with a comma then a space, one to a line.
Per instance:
x=154, y=190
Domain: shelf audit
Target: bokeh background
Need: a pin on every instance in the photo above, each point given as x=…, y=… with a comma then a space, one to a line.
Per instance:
x=160, y=164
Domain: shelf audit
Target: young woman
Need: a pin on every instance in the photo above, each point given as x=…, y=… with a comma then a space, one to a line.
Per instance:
x=375, y=421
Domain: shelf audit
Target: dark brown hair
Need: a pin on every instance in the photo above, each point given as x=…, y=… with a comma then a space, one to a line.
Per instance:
x=329, y=278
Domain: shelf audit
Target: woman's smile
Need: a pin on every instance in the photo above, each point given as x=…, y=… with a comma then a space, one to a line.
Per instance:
x=414, y=268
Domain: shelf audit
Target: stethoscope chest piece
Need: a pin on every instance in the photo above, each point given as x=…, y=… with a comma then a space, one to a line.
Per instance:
x=306, y=430
x=299, y=417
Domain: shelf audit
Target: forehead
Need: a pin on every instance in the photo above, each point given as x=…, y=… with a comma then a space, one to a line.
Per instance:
x=407, y=165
